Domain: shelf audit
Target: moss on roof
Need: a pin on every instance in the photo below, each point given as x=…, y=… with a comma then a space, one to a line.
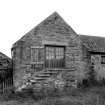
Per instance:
x=93, y=43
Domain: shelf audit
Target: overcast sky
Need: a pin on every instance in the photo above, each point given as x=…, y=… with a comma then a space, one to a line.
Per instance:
x=17, y=17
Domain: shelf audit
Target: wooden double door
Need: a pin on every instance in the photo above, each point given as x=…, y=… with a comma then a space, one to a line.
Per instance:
x=54, y=56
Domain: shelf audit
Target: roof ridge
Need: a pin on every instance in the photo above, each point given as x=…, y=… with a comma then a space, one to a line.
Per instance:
x=91, y=36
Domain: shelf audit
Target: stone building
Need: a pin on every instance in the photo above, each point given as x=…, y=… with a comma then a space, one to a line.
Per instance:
x=6, y=76
x=53, y=48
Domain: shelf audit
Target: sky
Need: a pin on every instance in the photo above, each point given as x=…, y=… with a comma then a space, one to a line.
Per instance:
x=17, y=17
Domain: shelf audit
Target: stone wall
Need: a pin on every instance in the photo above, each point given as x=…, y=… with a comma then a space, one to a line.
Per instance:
x=50, y=32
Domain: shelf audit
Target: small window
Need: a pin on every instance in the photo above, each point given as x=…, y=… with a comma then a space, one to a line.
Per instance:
x=49, y=53
x=103, y=59
x=54, y=52
x=37, y=55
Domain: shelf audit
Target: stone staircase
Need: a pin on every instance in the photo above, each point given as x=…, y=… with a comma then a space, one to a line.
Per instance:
x=48, y=72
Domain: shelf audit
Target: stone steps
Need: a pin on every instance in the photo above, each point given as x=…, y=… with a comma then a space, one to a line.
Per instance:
x=45, y=74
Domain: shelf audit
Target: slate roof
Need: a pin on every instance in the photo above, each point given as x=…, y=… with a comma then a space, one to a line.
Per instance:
x=4, y=56
x=5, y=61
x=93, y=43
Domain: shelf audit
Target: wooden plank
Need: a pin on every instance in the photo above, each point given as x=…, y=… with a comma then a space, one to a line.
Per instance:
x=41, y=62
x=3, y=87
x=37, y=47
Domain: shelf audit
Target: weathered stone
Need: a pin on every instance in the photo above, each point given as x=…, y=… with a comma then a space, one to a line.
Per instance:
x=53, y=31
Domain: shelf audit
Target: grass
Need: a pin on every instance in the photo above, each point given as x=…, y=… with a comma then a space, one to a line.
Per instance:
x=86, y=96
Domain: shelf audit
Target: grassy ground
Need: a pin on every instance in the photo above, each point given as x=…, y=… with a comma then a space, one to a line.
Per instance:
x=87, y=96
